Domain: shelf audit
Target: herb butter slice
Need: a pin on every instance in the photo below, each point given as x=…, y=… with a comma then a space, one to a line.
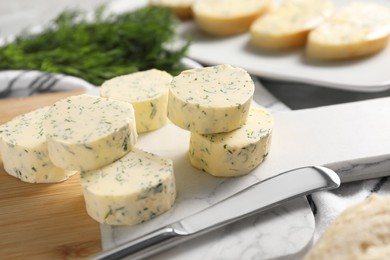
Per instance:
x=147, y=91
x=85, y=132
x=210, y=100
x=235, y=153
x=24, y=150
x=134, y=189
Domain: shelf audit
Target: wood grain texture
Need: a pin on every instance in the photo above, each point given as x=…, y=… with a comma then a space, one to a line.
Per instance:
x=43, y=221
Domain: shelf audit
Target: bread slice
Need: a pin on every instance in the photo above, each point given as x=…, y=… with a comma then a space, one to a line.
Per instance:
x=359, y=29
x=228, y=17
x=360, y=232
x=288, y=26
x=181, y=8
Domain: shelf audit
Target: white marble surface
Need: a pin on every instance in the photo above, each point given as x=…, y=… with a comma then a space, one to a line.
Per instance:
x=291, y=225
x=305, y=137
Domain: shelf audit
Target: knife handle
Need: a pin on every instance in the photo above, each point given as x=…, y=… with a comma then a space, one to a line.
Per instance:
x=362, y=168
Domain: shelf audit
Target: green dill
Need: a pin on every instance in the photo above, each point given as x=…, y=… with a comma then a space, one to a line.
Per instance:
x=158, y=189
x=153, y=111
x=111, y=212
x=125, y=142
x=109, y=45
x=88, y=147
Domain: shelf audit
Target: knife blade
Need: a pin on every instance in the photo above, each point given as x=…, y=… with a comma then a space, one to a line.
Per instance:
x=254, y=199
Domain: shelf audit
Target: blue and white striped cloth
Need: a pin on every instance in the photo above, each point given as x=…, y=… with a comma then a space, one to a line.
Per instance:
x=22, y=83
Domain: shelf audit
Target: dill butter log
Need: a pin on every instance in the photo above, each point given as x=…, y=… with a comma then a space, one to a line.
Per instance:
x=237, y=152
x=288, y=26
x=133, y=189
x=228, y=17
x=24, y=150
x=357, y=30
x=210, y=100
x=147, y=91
x=85, y=132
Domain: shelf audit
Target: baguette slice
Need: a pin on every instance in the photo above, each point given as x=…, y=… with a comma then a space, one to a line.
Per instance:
x=360, y=232
x=228, y=17
x=288, y=26
x=359, y=29
x=181, y=8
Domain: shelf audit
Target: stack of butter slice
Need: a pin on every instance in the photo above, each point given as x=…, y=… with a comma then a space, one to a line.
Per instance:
x=95, y=136
x=229, y=136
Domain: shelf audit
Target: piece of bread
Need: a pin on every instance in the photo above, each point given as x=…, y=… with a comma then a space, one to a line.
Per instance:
x=181, y=8
x=288, y=26
x=228, y=17
x=359, y=29
x=360, y=232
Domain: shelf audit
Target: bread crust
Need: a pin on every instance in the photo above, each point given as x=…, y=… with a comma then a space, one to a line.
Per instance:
x=357, y=30
x=288, y=27
x=225, y=25
x=362, y=231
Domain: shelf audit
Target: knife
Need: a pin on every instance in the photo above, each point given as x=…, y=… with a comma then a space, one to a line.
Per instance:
x=254, y=199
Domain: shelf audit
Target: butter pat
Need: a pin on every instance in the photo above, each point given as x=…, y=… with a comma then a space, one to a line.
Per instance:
x=210, y=100
x=147, y=91
x=134, y=189
x=85, y=132
x=235, y=153
x=288, y=26
x=357, y=30
x=228, y=17
x=24, y=150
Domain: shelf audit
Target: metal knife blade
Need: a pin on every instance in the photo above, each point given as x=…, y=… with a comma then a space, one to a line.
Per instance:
x=256, y=198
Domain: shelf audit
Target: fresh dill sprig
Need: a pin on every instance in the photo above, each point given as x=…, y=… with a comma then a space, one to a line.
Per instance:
x=101, y=48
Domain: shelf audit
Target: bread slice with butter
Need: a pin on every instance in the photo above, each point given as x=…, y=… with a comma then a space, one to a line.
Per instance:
x=359, y=29
x=228, y=17
x=360, y=232
x=288, y=26
x=181, y=8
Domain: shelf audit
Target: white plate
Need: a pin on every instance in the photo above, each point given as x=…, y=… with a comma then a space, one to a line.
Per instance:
x=366, y=74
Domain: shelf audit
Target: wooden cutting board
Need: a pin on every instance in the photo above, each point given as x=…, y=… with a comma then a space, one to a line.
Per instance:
x=43, y=221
